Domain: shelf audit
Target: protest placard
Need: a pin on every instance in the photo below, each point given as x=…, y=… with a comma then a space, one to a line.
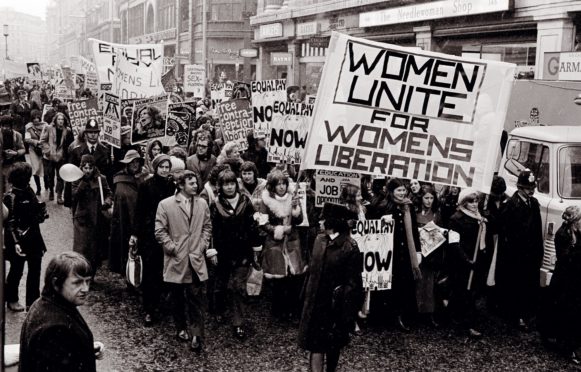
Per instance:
x=68, y=77
x=310, y=99
x=329, y=185
x=86, y=65
x=34, y=72
x=220, y=92
x=264, y=94
x=63, y=93
x=235, y=121
x=91, y=82
x=375, y=241
x=169, y=82
x=302, y=195
x=105, y=55
x=149, y=118
x=181, y=118
x=195, y=80
x=135, y=78
x=81, y=111
x=289, y=130
x=45, y=109
x=112, y=120
x=385, y=109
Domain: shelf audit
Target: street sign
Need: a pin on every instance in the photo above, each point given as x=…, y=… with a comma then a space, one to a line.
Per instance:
x=248, y=53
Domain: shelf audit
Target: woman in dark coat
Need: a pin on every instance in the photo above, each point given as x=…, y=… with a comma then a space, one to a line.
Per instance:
x=563, y=321
x=125, y=184
x=471, y=228
x=22, y=237
x=406, y=247
x=235, y=237
x=90, y=224
x=149, y=194
x=332, y=291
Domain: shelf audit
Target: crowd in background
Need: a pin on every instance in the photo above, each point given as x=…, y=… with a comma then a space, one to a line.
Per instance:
x=203, y=217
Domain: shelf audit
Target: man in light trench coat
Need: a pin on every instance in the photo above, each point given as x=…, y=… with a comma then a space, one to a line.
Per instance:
x=183, y=227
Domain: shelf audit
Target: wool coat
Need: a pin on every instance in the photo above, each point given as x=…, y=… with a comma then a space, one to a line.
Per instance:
x=184, y=233
x=332, y=294
x=234, y=230
x=90, y=233
x=55, y=337
x=123, y=219
x=282, y=254
x=520, y=255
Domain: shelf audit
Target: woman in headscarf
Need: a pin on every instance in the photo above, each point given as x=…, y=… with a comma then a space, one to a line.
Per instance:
x=142, y=241
x=467, y=240
x=125, y=185
x=91, y=196
x=564, y=321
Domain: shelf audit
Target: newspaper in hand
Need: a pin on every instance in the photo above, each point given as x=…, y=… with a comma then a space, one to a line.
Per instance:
x=431, y=237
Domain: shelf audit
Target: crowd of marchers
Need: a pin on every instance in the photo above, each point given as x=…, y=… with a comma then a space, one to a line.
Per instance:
x=204, y=219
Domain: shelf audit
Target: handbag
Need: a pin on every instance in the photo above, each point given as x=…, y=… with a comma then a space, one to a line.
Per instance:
x=134, y=270
x=254, y=281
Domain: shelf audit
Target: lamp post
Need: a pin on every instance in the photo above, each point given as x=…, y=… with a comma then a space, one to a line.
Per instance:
x=5, y=30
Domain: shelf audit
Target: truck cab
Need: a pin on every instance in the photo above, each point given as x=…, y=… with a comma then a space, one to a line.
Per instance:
x=553, y=153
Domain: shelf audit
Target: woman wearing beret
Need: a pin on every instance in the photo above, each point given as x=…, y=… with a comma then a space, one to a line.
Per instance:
x=332, y=291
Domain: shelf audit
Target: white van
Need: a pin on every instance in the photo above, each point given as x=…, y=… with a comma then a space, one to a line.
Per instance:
x=553, y=153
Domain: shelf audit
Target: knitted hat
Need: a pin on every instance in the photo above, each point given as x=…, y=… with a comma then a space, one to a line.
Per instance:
x=466, y=194
x=159, y=159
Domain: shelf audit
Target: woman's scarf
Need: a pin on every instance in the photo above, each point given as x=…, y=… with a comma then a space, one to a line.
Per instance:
x=404, y=206
x=481, y=222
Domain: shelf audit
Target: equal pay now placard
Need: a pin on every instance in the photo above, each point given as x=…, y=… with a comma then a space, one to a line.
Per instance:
x=384, y=109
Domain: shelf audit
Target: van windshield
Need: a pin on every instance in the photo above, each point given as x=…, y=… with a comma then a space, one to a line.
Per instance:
x=569, y=178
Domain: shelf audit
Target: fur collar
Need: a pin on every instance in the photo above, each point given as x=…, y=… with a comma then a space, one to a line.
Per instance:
x=279, y=207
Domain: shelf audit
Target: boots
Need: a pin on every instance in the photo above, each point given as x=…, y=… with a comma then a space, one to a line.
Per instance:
x=51, y=195
x=37, y=183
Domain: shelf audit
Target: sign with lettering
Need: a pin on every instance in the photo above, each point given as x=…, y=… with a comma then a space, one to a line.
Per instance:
x=375, y=241
x=562, y=66
x=149, y=119
x=408, y=113
x=281, y=59
x=289, y=130
x=264, y=94
x=112, y=120
x=81, y=111
x=308, y=28
x=330, y=184
x=270, y=30
x=195, y=80
x=431, y=10
x=236, y=121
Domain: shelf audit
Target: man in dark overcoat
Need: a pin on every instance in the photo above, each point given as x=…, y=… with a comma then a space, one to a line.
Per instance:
x=520, y=252
x=54, y=336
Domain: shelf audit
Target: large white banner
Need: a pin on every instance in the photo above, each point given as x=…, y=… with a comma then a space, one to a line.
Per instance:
x=135, y=78
x=142, y=56
x=384, y=109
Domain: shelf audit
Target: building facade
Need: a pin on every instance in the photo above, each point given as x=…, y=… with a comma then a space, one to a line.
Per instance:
x=293, y=35
x=26, y=37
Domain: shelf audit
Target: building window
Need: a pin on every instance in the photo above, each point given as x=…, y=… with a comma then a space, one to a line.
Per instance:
x=136, y=21
x=150, y=20
x=225, y=10
x=185, y=15
x=166, y=14
x=521, y=54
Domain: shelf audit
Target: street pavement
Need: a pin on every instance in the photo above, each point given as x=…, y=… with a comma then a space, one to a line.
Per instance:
x=114, y=314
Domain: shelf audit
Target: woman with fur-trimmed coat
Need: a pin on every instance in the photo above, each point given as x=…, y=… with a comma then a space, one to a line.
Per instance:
x=282, y=260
